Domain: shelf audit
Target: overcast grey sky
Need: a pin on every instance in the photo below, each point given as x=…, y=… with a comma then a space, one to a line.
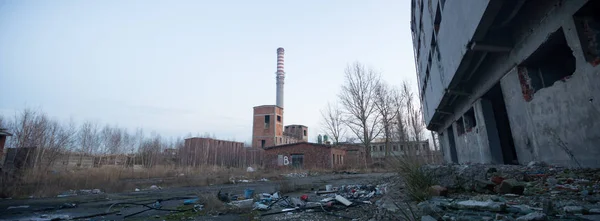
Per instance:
x=198, y=66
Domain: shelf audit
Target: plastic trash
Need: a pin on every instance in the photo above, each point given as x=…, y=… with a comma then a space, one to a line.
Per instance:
x=157, y=204
x=242, y=203
x=275, y=195
x=248, y=193
x=304, y=197
x=260, y=206
x=250, y=169
x=343, y=200
x=154, y=187
x=137, y=190
x=96, y=191
x=190, y=201
x=328, y=187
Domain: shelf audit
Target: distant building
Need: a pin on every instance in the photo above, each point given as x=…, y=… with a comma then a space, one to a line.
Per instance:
x=199, y=151
x=509, y=82
x=3, y=134
x=267, y=120
x=305, y=156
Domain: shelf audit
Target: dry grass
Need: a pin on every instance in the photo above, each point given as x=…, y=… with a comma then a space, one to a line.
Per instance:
x=416, y=180
x=43, y=183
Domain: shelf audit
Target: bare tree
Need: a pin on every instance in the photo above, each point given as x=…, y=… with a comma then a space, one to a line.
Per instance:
x=333, y=122
x=413, y=113
x=387, y=102
x=89, y=137
x=358, y=98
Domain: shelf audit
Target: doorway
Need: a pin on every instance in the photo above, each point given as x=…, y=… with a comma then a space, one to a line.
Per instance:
x=452, y=144
x=507, y=145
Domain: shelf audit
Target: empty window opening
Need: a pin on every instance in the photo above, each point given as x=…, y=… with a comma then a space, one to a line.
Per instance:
x=380, y=148
x=280, y=140
x=297, y=160
x=262, y=143
x=304, y=132
x=551, y=62
x=460, y=128
x=470, y=121
x=587, y=23
x=267, y=121
x=395, y=148
x=401, y=147
x=278, y=118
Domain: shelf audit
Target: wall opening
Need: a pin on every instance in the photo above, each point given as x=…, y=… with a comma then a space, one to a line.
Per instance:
x=460, y=127
x=278, y=118
x=267, y=121
x=551, y=62
x=470, y=121
x=262, y=143
x=587, y=23
x=452, y=145
x=507, y=145
x=304, y=132
x=297, y=160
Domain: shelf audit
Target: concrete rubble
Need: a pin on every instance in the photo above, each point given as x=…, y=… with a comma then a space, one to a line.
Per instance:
x=511, y=192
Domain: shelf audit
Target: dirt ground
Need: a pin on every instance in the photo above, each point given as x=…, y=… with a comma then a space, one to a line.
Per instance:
x=172, y=199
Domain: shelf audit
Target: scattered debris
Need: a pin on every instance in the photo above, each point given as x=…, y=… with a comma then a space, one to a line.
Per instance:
x=18, y=207
x=512, y=192
x=155, y=187
x=250, y=169
x=190, y=201
x=247, y=203
x=343, y=200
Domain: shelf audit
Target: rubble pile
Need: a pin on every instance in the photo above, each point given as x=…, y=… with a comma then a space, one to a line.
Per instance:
x=510, y=192
x=339, y=201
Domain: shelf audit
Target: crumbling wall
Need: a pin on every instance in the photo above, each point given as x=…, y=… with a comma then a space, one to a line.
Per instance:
x=472, y=145
x=557, y=124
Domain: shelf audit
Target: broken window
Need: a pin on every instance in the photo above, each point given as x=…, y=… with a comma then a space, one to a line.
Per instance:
x=304, y=132
x=470, y=121
x=551, y=62
x=262, y=143
x=278, y=118
x=267, y=121
x=587, y=23
x=395, y=148
x=380, y=148
x=460, y=128
x=401, y=147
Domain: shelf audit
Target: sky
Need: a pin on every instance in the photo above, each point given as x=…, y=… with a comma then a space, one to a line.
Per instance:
x=180, y=67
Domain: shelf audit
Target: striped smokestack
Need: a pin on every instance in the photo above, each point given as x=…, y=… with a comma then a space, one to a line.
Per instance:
x=280, y=75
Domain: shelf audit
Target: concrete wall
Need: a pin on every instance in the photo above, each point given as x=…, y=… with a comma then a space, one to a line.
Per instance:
x=459, y=21
x=473, y=146
x=560, y=124
x=557, y=124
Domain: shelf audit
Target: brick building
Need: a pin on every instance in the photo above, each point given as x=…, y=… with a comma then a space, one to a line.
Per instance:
x=206, y=151
x=267, y=120
x=305, y=156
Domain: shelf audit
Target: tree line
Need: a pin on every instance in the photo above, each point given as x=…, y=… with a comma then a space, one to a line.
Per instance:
x=367, y=108
x=35, y=129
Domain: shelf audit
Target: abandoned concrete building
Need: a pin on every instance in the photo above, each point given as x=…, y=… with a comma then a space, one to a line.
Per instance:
x=267, y=126
x=509, y=82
